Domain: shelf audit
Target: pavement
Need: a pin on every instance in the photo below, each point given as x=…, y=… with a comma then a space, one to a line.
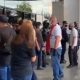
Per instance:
x=69, y=74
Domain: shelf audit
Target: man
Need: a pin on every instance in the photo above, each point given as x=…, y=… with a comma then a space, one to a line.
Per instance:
x=64, y=40
x=78, y=29
x=55, y=45
x=6, y=36
x=40, y=43
x=45, y=35
x=73, y=42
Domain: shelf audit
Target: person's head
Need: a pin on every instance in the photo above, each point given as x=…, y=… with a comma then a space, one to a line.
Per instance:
x=71, y=26
x=34, y=24
x=64, y=23
x=76, y=25
x=45, y=24
x=38, y=25
x=19, y=23
x=53, y=21
x=3, y=20
x=28, y=33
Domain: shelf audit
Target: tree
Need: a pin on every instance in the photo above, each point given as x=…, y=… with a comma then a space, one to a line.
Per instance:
x=24, y=7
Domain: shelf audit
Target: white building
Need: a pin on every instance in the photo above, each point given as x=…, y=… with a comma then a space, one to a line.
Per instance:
x=67, y=10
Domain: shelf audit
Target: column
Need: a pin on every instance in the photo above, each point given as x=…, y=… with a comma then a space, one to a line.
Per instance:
x=58, y=10
x=71, y=10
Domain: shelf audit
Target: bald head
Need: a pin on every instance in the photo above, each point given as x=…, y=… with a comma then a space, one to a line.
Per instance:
x=53, y=20
x=71, y=25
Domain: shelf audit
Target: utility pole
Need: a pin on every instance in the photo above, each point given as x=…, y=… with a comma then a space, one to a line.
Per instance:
x=42, y=15
x=4, y=9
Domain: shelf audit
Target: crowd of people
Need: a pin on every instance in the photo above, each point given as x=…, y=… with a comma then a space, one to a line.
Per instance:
x=24, y=42
x=21, y=45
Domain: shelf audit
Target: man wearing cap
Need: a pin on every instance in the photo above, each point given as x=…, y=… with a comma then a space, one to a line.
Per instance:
x=6, y=36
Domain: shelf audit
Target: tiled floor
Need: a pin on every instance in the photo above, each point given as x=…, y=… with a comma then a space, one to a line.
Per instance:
x=69, y=74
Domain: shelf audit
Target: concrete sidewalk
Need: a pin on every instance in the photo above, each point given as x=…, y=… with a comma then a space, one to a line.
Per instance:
x=69, y=74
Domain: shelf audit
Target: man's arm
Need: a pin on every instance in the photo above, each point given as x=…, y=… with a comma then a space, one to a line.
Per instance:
x=75, y=36
x=57, y=40
x=58, y=36
x=73, y=42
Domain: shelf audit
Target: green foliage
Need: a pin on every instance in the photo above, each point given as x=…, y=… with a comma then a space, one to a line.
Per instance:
x=24, y=7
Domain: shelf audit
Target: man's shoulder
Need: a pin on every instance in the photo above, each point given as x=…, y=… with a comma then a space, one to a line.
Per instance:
x=57, y=27
x=7, y=31
x=75, y=30
x=6, y=28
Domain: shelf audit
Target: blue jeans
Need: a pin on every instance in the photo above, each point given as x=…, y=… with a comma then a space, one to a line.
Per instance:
x=34, y=77
x=39, y=54
x=27, y=77
x=63, y=52
x=5, y=73
x=57, y=69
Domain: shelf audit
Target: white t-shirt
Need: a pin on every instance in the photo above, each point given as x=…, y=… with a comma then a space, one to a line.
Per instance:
x=74, y=33
x=55, y=32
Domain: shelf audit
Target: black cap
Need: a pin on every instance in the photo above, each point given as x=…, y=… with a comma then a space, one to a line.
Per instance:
x=3, y=18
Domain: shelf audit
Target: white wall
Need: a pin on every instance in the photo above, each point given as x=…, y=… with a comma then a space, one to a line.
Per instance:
x=40, y=18
x=79, y=13
x=58, y=10
x=71, y=10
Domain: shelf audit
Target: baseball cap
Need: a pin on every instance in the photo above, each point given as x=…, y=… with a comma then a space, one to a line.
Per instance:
x=3, y=18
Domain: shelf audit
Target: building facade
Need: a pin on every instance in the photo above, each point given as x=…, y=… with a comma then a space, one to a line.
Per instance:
x=67, y=10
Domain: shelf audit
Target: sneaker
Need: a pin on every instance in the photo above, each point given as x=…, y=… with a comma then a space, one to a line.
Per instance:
x=40, y=68
x=69, y=66
x=63, y=62
x=61, y=76
x=76, y=64
x=44, y=66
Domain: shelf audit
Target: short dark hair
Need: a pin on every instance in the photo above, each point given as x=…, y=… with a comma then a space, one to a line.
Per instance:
x=38, y=24
x=34, y=23
x=64, y=22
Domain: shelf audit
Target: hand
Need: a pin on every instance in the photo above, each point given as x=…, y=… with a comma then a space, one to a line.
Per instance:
x=72, y=47
x=33, y=59
x=43, y=49
x=38, y=48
